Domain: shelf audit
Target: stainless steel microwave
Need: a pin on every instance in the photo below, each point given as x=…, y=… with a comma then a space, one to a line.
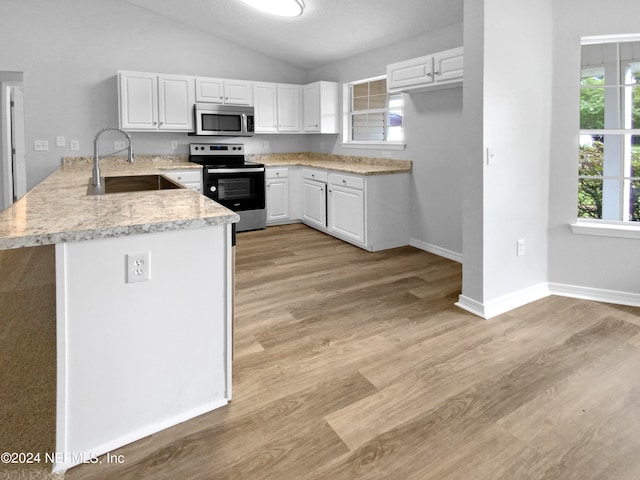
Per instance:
x=223, y=120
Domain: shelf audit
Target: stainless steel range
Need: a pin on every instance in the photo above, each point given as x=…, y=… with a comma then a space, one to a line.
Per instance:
x=231, y=181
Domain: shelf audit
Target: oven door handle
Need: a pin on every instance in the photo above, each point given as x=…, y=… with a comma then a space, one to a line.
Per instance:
x=235, y=170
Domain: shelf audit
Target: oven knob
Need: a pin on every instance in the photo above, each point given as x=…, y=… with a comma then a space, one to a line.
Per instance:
x=212, y=189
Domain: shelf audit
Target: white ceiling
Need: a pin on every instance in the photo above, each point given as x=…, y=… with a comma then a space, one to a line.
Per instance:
x=327, y=31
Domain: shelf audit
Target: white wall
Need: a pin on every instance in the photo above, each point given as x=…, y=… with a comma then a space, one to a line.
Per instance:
x=70, y=51
x=515, y=74
x=578, y=260
x=433, y=133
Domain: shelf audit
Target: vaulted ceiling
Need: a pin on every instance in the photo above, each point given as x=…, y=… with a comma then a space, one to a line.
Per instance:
x=327, y=31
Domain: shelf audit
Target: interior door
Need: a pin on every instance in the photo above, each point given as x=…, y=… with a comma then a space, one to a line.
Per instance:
x=19, y=158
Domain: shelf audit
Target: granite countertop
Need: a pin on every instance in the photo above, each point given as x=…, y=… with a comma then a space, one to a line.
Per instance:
x=339, y=163
x=59, y=210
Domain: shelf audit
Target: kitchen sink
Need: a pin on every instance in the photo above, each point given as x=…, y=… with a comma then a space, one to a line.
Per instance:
x=132, y=183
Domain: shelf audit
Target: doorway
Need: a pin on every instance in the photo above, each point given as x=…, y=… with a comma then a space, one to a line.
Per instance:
x=13, y=174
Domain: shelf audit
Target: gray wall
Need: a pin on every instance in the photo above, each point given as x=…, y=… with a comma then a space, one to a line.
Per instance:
x=70, y=51
x=579, y=260
x=433, y=133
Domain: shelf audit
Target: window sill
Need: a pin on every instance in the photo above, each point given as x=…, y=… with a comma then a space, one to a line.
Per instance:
x=606, y=229
x=374, y=145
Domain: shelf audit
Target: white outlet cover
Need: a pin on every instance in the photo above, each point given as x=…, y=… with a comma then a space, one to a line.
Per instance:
x=119, y=144
x=60, y=141
x=138, y=267
x=75, y=145
x=41, y=145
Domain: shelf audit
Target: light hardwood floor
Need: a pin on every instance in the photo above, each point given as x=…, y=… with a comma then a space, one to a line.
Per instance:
x=357, y=365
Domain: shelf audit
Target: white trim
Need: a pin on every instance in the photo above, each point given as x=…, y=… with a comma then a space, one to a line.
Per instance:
x=595, y=294
x=591, y=40
x=442, y=252
x=374, y=145
x=138, y=434
x=471, y=306
x=514, y=300
x=503, y=304
x=602, y=229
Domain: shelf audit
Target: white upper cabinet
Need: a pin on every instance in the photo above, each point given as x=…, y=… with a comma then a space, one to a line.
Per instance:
x=320, y=105
x=431, y=72
x=277, y=107
x=221, y=90
x=138, y=101
x=289, y=107
x=150, y=102
x=175, y=103
x=265, y=107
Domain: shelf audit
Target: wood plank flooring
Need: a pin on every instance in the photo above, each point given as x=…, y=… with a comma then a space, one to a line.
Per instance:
x=356, y=365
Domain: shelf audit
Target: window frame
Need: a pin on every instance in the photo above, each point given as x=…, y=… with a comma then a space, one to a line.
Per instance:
x=347, y=123
x=609, y=227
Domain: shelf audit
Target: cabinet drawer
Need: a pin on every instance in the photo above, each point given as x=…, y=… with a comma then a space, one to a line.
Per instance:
x=316, y=175
x=277, y=172
x=187, y=176
x=346, y=181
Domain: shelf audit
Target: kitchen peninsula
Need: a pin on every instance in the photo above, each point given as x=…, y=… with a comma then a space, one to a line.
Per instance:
x=132, y=357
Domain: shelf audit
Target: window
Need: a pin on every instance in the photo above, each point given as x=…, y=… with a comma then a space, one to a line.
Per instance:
x=373, y=115
x=609, y=151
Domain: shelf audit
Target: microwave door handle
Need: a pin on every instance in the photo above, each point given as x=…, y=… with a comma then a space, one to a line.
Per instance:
x=244, y=123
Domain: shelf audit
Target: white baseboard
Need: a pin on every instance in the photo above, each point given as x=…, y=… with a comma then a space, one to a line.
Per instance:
x=505, y=303
x=442, y=252
x=595, y=294
x=517, y=299
x=76, y=458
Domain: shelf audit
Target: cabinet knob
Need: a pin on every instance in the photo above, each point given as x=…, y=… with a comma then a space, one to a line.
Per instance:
x=428, y=74
x=437, y=72
x=344, y=181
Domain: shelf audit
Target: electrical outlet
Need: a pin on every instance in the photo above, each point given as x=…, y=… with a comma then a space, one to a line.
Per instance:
x=138, y=267
x=60, y=142
x=520, y=247
x=265, y=146
x=174, y=144
x=74, y=145
x=119, y=145
x=41, y=145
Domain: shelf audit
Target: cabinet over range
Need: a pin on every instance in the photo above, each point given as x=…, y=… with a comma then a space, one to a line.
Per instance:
x=232, y=182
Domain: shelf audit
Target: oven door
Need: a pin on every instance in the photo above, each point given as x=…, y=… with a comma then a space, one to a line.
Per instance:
x=236, y=188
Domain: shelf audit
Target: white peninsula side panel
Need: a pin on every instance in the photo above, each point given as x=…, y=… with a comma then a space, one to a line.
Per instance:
x=135, y=358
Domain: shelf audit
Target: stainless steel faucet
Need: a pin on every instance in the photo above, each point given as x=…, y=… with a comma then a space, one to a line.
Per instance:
x=97, y=179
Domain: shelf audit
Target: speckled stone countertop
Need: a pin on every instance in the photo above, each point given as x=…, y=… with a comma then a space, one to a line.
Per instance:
x=59, y=209
x=340, y=163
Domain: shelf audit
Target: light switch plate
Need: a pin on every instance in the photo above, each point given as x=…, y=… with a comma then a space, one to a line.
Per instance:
x=60, y=142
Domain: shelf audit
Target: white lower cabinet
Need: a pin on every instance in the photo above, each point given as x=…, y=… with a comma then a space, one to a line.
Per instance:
x=189, y=178
x=345, y=207
x=314, y=198
x=277, y=195
x=369, y=211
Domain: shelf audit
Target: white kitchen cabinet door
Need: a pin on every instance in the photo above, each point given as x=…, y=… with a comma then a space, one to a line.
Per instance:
x=189, y=178
x=175, y=103
x=448, y=65
x=314, y=203
x=138, y=105
x=265, y=107
x=410, y=73
x=431, y=72
x=277, y=199
x=346, y=212
x=238, y=92
x=320, y=107
x=289, y=107
x=221, y=90
x=209, y=90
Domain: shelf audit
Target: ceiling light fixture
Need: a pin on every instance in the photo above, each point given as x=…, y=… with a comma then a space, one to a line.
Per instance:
x=282, y=8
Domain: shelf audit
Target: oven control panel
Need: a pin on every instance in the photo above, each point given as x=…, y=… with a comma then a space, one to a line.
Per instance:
x=216, y=149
